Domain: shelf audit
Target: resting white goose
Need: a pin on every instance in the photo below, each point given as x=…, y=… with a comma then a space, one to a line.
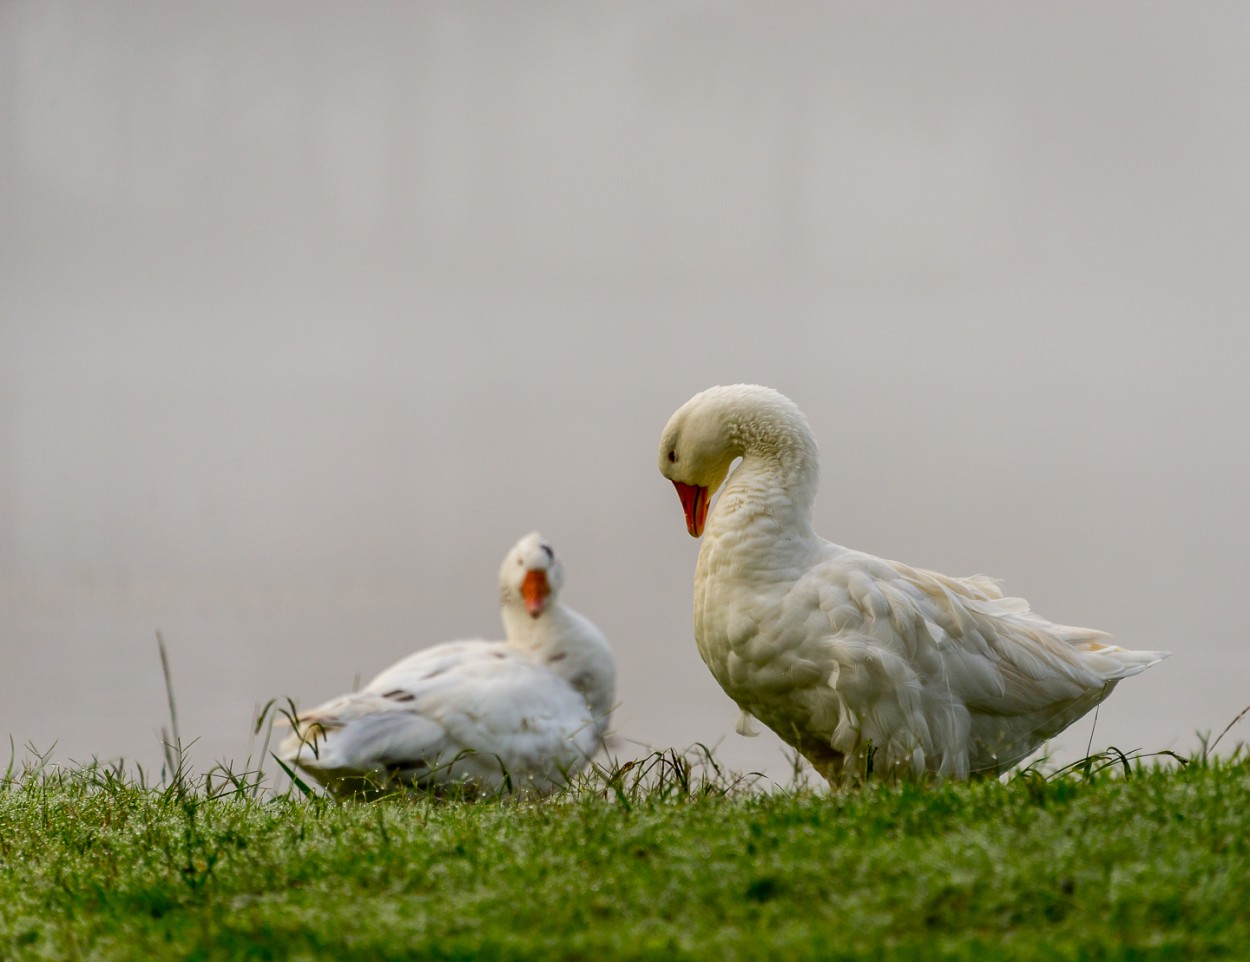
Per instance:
x=863, y=665
x=521, y=714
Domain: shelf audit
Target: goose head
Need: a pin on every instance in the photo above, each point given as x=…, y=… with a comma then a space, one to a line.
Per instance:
x=714, y=428
x=530, y=575
x=697, y=449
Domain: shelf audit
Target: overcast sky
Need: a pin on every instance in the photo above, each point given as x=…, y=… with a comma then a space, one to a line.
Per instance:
x=309, y=311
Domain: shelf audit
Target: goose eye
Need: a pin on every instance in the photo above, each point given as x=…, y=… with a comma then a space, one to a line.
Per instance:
x=672, y=457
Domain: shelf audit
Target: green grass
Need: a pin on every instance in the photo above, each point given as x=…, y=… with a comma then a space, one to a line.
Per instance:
x=663, y=860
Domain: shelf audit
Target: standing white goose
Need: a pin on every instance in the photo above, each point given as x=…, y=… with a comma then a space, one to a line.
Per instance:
x=523, y=713
x=862, y=664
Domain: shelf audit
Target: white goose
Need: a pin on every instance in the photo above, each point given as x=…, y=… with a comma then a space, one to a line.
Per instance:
x=523, y=714
x=862, y=664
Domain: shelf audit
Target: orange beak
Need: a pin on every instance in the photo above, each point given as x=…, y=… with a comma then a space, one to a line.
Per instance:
x=534, y=591
x=694, y=503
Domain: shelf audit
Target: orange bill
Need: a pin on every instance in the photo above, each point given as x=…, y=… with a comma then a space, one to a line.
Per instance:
x=534, y=591
x=694, y=502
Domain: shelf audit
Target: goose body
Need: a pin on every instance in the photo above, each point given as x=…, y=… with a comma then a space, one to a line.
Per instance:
x=520, y=714
x=862, y=664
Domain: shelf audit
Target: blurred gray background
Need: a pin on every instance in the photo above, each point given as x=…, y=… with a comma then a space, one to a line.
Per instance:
x=308, y=311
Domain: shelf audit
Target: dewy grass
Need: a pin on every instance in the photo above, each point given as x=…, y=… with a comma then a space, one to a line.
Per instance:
x=665, y=857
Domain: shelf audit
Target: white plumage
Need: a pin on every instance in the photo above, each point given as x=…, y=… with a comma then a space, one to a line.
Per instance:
x=862, y=664
x=524, y=713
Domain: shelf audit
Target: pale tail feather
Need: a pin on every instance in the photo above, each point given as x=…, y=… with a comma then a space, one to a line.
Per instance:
x=1115, y=662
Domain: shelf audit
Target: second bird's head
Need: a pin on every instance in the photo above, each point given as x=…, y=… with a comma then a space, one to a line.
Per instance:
x=531, y=575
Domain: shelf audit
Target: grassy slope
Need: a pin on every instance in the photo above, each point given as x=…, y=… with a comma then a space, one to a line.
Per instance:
x=1156, y=865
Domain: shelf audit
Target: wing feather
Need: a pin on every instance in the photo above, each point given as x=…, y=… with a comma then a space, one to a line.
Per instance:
x=476, y=712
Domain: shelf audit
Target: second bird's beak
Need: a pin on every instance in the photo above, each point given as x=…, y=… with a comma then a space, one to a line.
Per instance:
x=694, y=502
x=534, y=592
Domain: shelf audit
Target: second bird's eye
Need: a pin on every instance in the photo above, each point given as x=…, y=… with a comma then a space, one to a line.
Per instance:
x=672, y=457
